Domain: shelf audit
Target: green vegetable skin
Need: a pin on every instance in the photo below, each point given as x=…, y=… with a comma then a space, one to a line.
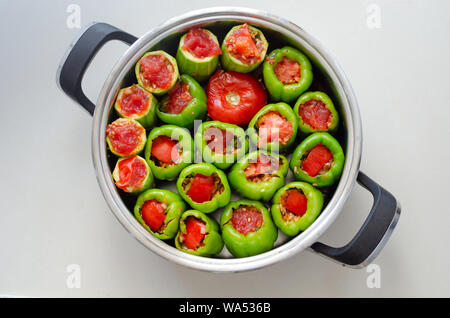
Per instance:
x=175, y=206
x=196, y=109
x=184, y=139
x=257, y=190
x=205, y=169
x=148, y=119
x=157, y=91
x=148, y=182
x=286, y=111
x=212, y=242
x=231, y=63
x=314, y=207
x=304, y=127
x=278, y=90
x=221, y=161
x=306, y=145
x=253, y=243
x=200, y=69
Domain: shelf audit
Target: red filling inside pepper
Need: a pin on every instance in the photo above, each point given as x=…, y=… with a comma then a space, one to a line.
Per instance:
x=296, y=202
x=218, y=140
x=264, y=166
x=132, y=173
x=201, y=188
x=246, y=219
x=124, y=136
x=317, y=160
x=195, y=233
x=156, y=71
x=152, y=213
x=243, y=45
x=134, y=101
x=165, y=149
x=288, y=71
x=179, y=98
x=200, y=44
x=273, y=127
x=315, y=113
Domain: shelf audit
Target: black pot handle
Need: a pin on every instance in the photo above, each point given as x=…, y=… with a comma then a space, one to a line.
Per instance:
x=374, y=233
x=79, y=55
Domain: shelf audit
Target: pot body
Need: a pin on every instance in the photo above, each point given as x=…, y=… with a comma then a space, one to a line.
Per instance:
x=372, y=236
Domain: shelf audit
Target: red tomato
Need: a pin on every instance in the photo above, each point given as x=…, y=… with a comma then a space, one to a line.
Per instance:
x=179, y=98
x=263, y=165
x=201, y=188
x=134, y=101
x=152, y=212
x=246, y=219
x=156, y=71
x=218, y=139
x=132, y=172
x=234, y=97
x=242, y=46
x=124, y=136
x=195, y=233
x=200, y=44
x=316, y=160
x=296, y=202
x=274, y=127
x=165, y=149
x=315, y=114
x=288, y=71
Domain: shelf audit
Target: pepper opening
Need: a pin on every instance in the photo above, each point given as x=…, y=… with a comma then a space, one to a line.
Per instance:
x=293, y=205
x=132, y=173
x=156, y=71
x=200, y=44
x=133, y=101
x=317, y=161
x=273, y=127
x=195, y=233
x=221, y=141
x=153, y=213
x=263, y=169
x=287, y=71
x=178, y=98
x=165, y=151
x=315, y=114
x=246, y=219
x=125, y=136
x=245, y=45
x=201, y=188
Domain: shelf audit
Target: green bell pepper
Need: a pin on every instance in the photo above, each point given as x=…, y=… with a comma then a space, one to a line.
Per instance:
x=131, y=171
x=231, y=63
x=199, y=68
x=289, y=91
x=152, y=88
x=258, y=175
x=227, y=156
x=185, y=143
x=211, y=243
x=288, y=222
x=195, y=109
x=301, y=152
x=174, y=207
x=316, y=97
x=147, y=118
x=285, y=111
x=247, y=228
x=220, y=189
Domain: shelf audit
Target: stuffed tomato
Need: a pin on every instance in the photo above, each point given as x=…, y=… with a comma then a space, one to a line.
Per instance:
x=258, y=175
x=133, y=175
x=198, y=54
x=247, y=228
x=204, y=187
x=125, y=137
x=169, y=149
x=185, y=102
x=295, y=207
x=243, y=49
x=159, y=212
x=319, y=160
x=198, y=234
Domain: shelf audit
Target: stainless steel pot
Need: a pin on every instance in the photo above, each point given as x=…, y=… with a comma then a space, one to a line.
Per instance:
x=375, y=231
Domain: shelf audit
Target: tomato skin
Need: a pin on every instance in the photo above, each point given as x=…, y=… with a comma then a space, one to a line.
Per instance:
x=195, y=233
x=200, y=44
x=179, y=98
x=153, y=214
x=250, y=97
x=201, y=188
x=246, y=219
x=316, y=159
x=296, y=202
x=163, y=149
x=132, y=173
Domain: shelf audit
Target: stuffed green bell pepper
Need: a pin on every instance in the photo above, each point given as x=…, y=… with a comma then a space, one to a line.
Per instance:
x=295, y=207
x=258, y=175
x=184, y=103
x=274, y=127
x=133, y=175
x=157, y=72
x=243, y=49
x=247, y=228
x=204, y=187
x=287, y=74
x=159, y=212
x=319, y=160
x=169, y=149
x=136, y=103
x=316, y=112
x=198, y=53
x=220, y=143
x=125, y=137
x=198, y=234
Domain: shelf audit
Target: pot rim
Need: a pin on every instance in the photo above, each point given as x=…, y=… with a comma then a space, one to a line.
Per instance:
x=351, y=117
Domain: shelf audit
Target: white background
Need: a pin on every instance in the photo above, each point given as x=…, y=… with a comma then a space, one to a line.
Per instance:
x=52, y=213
